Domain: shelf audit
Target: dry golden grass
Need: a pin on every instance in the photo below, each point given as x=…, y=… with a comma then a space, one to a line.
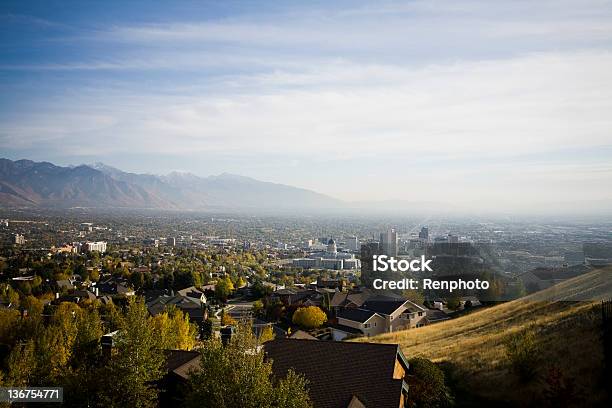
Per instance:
x=568, y=332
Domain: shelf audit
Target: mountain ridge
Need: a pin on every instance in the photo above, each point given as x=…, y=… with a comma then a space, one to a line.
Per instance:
x=44, y=184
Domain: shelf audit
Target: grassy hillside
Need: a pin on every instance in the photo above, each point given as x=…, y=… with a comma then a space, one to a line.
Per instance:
x=471, y=347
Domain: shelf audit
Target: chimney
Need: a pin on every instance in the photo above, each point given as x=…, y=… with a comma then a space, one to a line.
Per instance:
x=226, y=334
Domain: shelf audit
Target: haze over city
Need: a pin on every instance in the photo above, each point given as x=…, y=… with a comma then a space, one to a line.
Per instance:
x=482, y=106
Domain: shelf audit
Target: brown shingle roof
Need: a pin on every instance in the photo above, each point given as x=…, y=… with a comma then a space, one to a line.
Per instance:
x=339, y=371
x=181, y=362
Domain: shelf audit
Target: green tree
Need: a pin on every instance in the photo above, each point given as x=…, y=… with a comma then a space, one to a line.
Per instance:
x=258, y=307
x=174, y=331
x=414, y=296
x=137, y=363
x=224, y=288
x=453, y=303
x=238, y=376
x=206, y=331
x=21, y=364
x=309, y=317
x=427, y=385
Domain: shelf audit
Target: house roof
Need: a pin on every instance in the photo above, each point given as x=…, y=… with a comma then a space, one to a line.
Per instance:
x=180, y=362
x=357, y=315
x=338, y=372
x=386, y=307
x=346, y=329
x=64, y=283
x=191, y=292
x=434, y=315
x=186, y=304
x=338, y=299
x=302, y=335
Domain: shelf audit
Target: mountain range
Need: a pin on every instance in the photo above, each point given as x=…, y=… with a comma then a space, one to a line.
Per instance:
x=42, y=184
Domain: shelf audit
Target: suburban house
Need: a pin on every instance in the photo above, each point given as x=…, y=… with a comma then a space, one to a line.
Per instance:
x=365, y=314
x=357, y=322
x=342, y=374
x=193, y=307
x=193, y=293
x=292, y=296
x=113, y=286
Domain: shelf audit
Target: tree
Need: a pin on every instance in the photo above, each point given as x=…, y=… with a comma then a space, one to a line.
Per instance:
x=257, y=307
x=414, y=296
x=427, y=385
x=21, y=364
x=95, y=275
x=309, y=317
x=237, y=375
x=224, y=288
x=137, y=363
x=453, y=303
x=226, y=319
x=174, y=331
x=33, y=306
x=206, y=330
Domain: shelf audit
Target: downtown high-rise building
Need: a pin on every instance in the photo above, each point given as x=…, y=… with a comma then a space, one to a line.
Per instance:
x=424, y=234
x=352, y=243
x=389, y=242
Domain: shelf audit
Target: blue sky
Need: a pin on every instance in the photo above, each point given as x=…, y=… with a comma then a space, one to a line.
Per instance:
x=502, y=104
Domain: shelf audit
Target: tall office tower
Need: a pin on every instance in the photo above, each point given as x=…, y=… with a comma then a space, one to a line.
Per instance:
x=388, y=242
x=424, y=234
x=171, y=241
x=352, y=243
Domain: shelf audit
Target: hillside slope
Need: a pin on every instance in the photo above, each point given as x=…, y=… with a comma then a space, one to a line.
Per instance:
x=471, y=347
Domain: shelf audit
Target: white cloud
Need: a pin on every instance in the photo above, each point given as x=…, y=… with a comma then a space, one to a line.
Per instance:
x=509, y=106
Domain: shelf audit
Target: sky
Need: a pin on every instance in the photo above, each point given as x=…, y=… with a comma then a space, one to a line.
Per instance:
x=482, y=104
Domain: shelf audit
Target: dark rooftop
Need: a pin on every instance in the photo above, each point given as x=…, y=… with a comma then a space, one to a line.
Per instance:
x=383, y=306
x=339, y=371
x=357, y=315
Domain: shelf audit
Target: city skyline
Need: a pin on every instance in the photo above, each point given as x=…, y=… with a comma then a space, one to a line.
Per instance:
x=482, y=106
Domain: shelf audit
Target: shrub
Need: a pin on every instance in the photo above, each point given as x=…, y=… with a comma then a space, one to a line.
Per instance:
x=523, y=354
x=428, y=388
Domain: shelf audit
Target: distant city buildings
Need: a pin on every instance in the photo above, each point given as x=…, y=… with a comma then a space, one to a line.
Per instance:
x=171, y=241
x=19, y=239
x=86, y=226
x=328, y=259
x=99, y=246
